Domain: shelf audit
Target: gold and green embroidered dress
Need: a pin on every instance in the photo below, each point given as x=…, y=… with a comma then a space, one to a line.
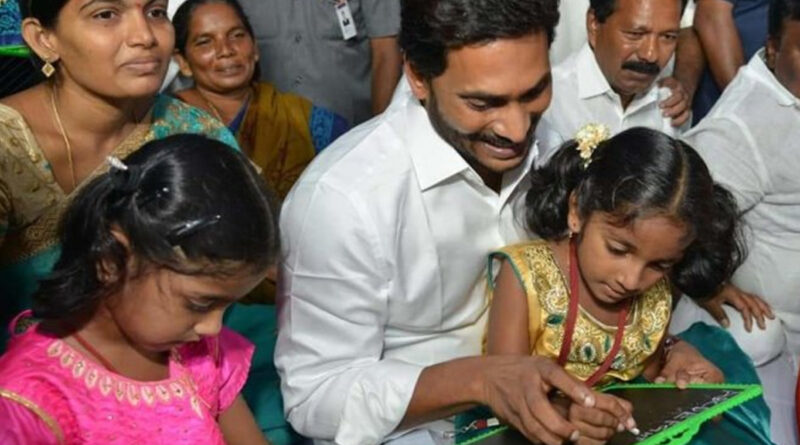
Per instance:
x=547, y=293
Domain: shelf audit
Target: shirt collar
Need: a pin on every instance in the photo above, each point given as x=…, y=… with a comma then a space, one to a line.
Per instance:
x=762, y=72
x=591, y=80
x=435, y=160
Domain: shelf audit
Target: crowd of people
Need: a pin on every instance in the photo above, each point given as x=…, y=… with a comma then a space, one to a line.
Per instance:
x=352, y=221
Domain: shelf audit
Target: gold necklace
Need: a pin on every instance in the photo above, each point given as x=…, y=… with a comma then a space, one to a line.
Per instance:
x=214, y=109
x=64, y=136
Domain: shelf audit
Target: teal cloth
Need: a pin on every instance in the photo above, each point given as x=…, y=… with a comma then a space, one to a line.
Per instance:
x=18, y=281
x=747, y=424
x=258, y=322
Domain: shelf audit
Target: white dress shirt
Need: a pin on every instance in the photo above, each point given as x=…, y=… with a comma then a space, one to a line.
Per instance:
x=750, y=141
x=582, y=95
x=385, y=238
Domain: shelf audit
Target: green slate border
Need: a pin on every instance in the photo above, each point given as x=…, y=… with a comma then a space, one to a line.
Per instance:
x=15, y=51
x=679, y=434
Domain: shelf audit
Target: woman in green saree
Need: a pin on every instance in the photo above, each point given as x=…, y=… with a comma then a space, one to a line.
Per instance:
x=279, y=132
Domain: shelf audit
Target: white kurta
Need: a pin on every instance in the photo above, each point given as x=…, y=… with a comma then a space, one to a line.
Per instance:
x=385, y=240
x=750, y=141
x=582, y=95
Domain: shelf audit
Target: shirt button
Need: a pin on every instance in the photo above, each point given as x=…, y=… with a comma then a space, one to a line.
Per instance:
x=298, y=80
x=298, y=38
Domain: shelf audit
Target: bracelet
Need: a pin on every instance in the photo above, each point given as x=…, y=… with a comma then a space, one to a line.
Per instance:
x=669, y=342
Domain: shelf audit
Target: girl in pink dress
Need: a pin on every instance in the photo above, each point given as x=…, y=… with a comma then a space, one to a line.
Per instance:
x=125, y=342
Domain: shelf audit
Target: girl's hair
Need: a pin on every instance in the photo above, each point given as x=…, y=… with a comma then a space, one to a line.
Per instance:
x=186, y=203
x=183, y=16
x=642, y=173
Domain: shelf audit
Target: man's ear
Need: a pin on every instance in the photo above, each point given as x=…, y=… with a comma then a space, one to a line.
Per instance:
x=40, y=40
x=419, y=86
x=771, y=52
x=592, y=26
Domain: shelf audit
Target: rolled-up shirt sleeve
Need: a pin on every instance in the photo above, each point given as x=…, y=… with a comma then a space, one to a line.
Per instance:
x=333, y=299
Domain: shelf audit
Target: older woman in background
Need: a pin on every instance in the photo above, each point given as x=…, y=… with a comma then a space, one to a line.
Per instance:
x=280, y=132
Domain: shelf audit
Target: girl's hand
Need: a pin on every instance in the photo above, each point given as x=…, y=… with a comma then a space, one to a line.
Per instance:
x=751, y=307
x=598, y=424
x=685, y=365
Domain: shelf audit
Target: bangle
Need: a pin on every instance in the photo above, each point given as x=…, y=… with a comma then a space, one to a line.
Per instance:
x=669, y=342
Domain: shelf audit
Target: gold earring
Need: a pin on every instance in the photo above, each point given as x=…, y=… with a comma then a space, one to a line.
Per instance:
x=48, y=69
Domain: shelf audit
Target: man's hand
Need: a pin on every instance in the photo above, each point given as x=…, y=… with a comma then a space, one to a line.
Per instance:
x=685, y=365
x=678, y=106
x=749, y=305
x=610, y=415
x=516, y=389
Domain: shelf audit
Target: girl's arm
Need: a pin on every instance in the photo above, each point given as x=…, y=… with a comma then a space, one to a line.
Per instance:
x=239, y=427
x=508, y=315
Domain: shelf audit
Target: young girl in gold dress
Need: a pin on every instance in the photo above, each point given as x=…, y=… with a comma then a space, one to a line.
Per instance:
x=622, y=223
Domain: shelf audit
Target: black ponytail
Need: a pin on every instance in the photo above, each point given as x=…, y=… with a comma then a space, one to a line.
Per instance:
x=547, y=201
x=186, y=203
x=638, y=173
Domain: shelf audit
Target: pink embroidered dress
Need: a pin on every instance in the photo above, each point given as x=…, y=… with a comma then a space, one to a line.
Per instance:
x=52, y=394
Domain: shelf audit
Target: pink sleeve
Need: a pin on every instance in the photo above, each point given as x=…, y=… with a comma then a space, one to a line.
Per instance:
x=20, y=426
x=235, y=355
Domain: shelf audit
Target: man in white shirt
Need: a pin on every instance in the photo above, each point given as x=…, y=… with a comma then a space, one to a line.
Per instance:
x=386, y=236
x=750, y=141
x=614, y=78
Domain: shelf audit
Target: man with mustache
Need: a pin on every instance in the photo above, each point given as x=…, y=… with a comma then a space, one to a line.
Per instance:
x=386, y=235
x=614, y=78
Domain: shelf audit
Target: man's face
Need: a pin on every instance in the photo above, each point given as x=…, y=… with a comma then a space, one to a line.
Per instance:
x=783, y=56
x=488, y=101
x=635, y=42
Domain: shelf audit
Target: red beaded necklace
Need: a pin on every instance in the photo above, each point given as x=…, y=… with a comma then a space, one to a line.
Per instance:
x=97, y=355
x=572, y=316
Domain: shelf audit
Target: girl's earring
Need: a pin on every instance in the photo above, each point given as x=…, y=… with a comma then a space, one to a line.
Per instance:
x=48, y=69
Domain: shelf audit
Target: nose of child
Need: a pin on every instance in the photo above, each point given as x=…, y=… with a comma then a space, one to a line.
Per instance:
x=209, y=326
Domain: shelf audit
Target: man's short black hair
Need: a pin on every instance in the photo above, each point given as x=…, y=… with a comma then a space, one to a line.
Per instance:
x=604, y=8
x=431, y=28
x=780, y=10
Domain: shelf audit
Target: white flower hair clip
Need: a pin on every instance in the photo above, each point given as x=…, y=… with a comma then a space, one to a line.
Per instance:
x=116, y=163
x=588, y=138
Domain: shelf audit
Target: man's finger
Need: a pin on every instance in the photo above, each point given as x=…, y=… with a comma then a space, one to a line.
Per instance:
x=765, y=307
x=555, y=376
x=682, y=379
x=718, y=313
x=542, y=422
x=594, y=432
x=622, y=410
x=681, y=119
x=594, y=416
